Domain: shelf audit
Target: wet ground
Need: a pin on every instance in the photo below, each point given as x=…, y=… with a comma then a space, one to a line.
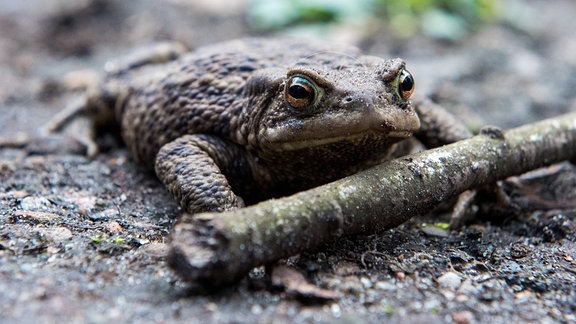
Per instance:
x=85, y=240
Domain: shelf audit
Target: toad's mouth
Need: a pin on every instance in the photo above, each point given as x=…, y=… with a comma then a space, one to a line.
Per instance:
x=358, y=138
x=345, y=127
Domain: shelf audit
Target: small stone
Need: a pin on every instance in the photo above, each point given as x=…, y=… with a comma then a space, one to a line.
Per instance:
x=85, y=204
x=366, y=282
x=256, y=309
x=157, y=249
x=114, y=227
x=104, y=215
x=211, y=307
x=35, y=203
x=15, y=194
x=383, y=285
x=450, y=280
x=463, y=317
x=52, y=250
x=37, y=215
x=56, y=234
x=336, y=310
x=434, y=231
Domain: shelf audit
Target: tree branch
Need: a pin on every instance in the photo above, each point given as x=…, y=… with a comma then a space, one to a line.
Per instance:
x=214, y=249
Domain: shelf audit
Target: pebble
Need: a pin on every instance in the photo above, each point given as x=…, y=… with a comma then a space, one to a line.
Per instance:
x=434, y=231
x=14, y=194
x=104, y=215
x=35, y=203
x=37, y=215
x=450, y=280
x=85, y=203
x=336, y=310
x=463, y=317
x=157, y=249
x=256, y=309
x=366, y=282
x=114, y=227
x=383, y=285
x=55, y=234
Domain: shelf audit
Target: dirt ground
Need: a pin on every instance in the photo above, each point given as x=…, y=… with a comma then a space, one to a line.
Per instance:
x=85, y=240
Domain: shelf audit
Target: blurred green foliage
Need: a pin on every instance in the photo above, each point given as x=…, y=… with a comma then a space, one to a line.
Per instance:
x=444, y=19
x=449, y=19
x=278, y=14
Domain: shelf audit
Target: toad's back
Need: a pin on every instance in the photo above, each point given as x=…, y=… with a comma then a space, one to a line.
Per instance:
x=204, y=92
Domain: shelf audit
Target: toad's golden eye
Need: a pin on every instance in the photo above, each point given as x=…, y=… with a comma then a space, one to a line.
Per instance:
x=405, y=84
x=301, y=92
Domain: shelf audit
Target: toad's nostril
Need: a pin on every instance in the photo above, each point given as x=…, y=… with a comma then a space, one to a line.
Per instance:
x=348, y=99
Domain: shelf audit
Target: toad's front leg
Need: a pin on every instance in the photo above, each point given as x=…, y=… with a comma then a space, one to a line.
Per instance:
x=438, y=126
x=195, y=168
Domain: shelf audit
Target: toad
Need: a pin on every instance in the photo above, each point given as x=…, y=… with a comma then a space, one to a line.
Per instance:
x=242, y=121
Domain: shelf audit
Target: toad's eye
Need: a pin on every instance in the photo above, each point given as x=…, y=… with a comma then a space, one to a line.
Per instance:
x=405, y=84
x=301, y=92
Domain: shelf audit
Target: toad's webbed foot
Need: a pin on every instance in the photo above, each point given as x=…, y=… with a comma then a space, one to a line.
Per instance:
x=438, y=126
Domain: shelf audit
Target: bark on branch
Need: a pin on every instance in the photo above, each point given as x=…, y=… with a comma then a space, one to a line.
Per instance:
x=217, y=248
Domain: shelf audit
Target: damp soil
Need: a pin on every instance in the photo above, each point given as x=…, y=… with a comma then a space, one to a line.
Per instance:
x=85, y=240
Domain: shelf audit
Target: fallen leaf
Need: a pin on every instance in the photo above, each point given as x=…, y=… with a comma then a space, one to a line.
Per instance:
x=297, y=286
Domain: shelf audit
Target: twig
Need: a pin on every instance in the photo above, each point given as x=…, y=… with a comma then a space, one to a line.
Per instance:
x=215, y=249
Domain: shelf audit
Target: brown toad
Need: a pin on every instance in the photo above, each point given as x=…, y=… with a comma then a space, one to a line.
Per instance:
x=247, y=120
